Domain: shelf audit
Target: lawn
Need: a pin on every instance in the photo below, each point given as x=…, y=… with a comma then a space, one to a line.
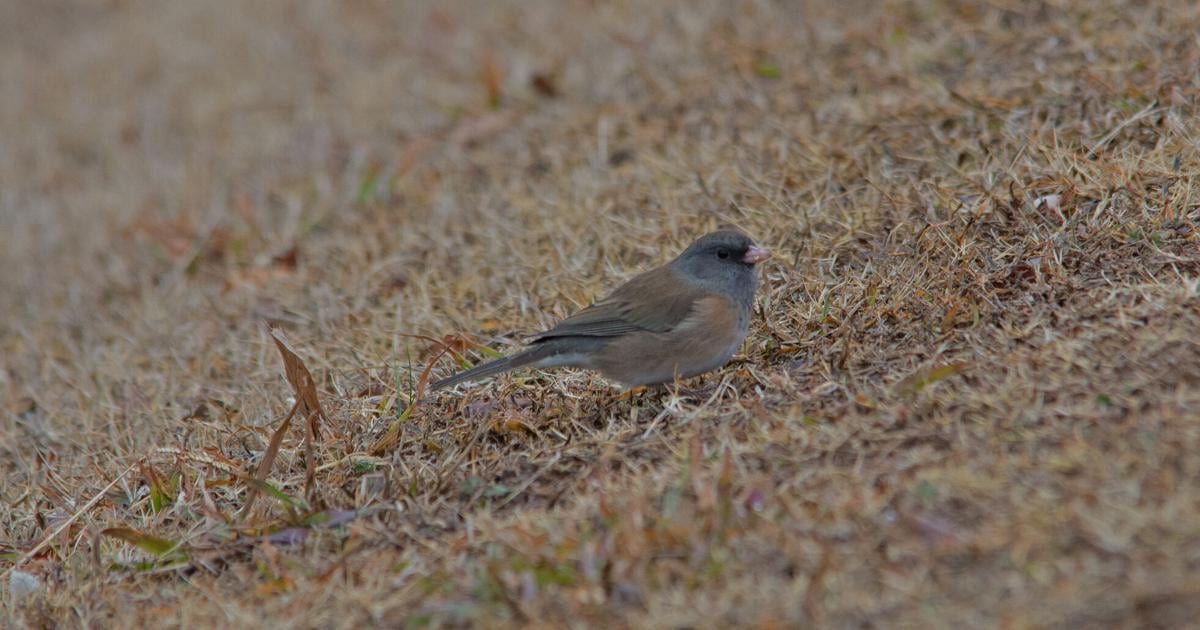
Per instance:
x=238, y=239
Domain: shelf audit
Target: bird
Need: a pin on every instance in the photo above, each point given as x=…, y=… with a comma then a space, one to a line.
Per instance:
x=676, y=321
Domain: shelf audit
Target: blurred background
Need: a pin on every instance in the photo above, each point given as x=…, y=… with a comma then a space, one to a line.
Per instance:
x=117, y=115
x=968, y=399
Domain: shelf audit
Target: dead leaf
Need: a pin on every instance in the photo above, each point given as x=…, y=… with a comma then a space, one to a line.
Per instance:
x=512, y=422
x=200, y=412
x=543, y=83
x=307, y=405
x=287, y=259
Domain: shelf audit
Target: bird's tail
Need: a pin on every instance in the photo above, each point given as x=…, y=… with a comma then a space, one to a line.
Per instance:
x=540, y=355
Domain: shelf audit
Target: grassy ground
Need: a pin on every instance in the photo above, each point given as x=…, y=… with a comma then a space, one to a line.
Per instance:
x=971, y=394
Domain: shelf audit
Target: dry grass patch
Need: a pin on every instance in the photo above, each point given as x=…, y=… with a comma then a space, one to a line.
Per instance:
x=970, y=396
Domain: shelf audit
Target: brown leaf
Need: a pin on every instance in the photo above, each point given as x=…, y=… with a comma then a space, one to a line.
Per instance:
x=543, y=83
x=511, y=421
x=199, y=413
x=305, y=389
x=287, y=259
x=274, y=586
x=303, y=385
x=308, y=405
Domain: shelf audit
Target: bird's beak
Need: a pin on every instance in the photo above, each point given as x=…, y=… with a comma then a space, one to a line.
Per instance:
x=755, y=255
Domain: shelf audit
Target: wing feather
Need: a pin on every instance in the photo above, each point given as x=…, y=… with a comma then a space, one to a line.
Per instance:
x=656, y=301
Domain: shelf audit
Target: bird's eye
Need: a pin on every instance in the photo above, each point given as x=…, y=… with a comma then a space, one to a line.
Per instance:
x=722, y=253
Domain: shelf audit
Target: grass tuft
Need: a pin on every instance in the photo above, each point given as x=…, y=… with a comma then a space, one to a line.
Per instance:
x=968, y=397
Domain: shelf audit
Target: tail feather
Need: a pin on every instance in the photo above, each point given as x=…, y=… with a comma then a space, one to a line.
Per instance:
x=494, y=367
x=562, y=351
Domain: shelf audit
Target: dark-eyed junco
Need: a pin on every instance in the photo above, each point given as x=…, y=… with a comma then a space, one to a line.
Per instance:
x=679, y=320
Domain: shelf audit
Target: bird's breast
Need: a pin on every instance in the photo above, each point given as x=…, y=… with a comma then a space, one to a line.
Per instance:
x=704, y=341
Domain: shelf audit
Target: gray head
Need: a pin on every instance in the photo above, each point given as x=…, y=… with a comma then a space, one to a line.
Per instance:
x=723, y=261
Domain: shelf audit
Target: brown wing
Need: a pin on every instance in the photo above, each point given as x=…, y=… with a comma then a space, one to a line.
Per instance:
x=656, y=301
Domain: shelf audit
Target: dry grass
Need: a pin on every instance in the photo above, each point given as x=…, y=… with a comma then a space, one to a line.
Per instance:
x=970, y=397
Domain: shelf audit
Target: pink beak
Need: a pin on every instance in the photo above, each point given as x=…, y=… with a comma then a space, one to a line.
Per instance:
x=755, y=255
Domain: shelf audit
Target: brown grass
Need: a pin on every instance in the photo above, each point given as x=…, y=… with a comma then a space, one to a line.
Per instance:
x=970, y=396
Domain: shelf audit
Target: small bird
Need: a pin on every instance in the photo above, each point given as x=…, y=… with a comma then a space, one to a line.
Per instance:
x=684, y=318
